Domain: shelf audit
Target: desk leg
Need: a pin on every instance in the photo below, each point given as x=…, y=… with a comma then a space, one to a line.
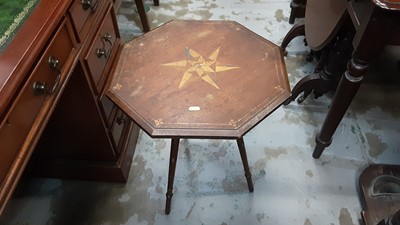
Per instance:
x=242, y=150
x=171, y=174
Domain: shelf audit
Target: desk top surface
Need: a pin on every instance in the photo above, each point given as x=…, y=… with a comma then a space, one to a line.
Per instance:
x=17, y=59
x=199, y=78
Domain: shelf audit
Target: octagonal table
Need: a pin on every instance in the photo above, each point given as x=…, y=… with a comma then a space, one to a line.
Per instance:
x=199, y=79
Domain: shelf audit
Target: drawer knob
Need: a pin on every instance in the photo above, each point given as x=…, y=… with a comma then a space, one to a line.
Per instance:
x=88, y=4
x=41, y=88
x=100, y=52
x=120, y=121
x=53, y=63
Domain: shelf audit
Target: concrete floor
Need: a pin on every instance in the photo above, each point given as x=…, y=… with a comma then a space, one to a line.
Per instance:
x=290, y=186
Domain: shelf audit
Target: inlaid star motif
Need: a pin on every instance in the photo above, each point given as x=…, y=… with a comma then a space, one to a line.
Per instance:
x=195, y=64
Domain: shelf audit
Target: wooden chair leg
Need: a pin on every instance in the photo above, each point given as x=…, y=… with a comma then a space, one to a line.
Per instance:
x=142, y=14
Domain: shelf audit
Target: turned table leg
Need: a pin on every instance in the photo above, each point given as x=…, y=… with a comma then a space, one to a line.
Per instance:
x=171, y=174
x=242, y=150
x=172, y=167
x=348, y=87
x=367, y=46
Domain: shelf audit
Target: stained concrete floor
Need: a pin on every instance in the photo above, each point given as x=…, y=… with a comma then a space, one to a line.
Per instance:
x=290, y=186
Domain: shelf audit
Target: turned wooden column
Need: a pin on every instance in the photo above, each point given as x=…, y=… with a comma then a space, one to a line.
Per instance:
x=368, y=42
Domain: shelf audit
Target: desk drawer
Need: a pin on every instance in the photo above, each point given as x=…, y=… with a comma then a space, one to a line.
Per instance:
x=83, y=14
x=108, y=109
x=43, y=82
x=102, y=50
x=119, y=128
x=117, y=122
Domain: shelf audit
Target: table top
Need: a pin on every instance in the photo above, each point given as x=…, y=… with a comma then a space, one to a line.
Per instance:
x=209, y=79
x=322, y=21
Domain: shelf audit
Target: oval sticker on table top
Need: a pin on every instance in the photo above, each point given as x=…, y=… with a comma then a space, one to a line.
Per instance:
x=194, y=108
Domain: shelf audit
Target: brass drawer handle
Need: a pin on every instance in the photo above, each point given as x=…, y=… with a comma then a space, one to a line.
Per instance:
x=88, y=4
x=102, y=52
x=41, y=88
x=53, y=62
x=107, y=38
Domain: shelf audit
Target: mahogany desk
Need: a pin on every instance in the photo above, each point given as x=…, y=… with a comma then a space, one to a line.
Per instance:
x=199, y=79
x=55, y=120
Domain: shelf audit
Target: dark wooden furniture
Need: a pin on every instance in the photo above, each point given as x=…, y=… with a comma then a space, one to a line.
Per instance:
x=369, y=26
x=377, y=24
x=330, y=38
x=298, y=9
x=142, y=13
x=199, y=79
x=54, y=73
x=380, y=190
x=319, y=33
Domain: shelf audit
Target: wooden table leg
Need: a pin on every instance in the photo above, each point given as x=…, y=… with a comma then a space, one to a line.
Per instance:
x=242, y=150
x=298, y=9
x=370, y=44
x=171, y=174
x=348, y=87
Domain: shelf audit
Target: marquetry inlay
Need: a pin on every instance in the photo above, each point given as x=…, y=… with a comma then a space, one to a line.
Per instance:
x=196, y=65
